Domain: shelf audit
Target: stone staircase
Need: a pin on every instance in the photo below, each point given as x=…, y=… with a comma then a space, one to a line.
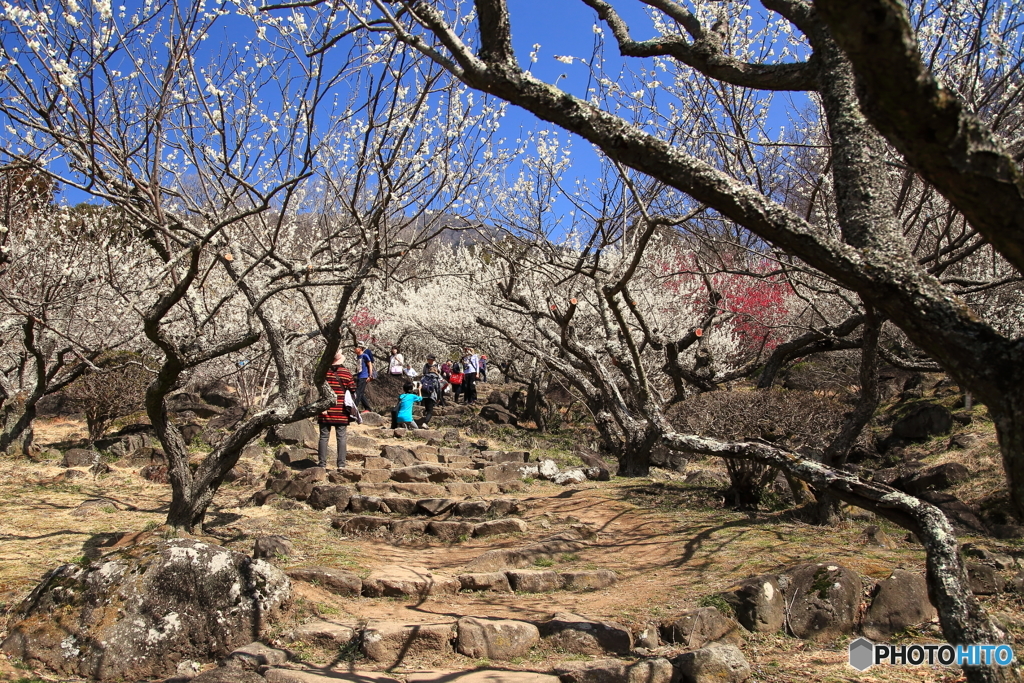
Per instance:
x=387, y=469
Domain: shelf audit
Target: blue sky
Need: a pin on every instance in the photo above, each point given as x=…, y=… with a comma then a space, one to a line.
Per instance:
x=560, y=27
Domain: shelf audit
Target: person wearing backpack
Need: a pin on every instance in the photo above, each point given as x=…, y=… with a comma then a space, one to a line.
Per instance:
x=340, y=380
x=431, y=389
x=456, y=381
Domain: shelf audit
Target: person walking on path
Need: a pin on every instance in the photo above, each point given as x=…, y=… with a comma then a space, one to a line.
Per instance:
x=340, y=380
x=482, y=374
x=470, y=368
x=431, y=389
x=403, y=411
x=364, y=374
x=456, y=381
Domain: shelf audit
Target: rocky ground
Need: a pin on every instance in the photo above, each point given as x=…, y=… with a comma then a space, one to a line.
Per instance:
x=427, y=538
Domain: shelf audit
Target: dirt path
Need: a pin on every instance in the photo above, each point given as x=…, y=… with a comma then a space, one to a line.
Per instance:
x=669, y=548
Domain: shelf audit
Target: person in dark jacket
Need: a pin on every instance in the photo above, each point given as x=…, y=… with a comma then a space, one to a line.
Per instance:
x=340, y=379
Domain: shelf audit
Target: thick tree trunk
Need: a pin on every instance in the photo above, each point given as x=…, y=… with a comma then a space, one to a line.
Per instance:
x=635, y=456
x=535, y=401
x=1009, y=422
x=16, y=426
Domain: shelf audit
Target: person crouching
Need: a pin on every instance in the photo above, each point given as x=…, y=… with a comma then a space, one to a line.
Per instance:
x=403, y=411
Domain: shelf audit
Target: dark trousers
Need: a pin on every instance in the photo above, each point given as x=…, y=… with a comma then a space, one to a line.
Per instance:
x=456, y=392
x=341, y=432
x=361, y=393
x=428, y=410
x=469, y=386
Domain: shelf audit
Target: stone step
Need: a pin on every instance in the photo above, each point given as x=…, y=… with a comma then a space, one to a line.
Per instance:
x=417, y=583
x=391, y=644
x=551, y=548
x=447, y=530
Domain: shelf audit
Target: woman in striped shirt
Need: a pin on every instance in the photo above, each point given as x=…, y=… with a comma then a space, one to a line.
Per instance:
x=339, y=378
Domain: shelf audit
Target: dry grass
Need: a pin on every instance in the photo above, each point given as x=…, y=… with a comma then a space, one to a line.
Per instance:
x=669, y=543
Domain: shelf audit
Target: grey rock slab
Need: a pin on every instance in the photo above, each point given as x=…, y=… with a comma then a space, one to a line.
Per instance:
x=361, y=503
x=328, y=632
x=511, y=558
x=360, y=525
x=435, y=506
x=496, y=527
x=336, y=581
x=481, y=676
x=984, y=580
x=696, y=628
x=472, y=508
x=485, y=581
x=400, y=504
x=587, y=580
x=657, y=670
x=255, y=655
x=501, y=507
x=716, y=663
x=391, y=643
x=405, y=527
x=450, y=531
x=581, y=635
x=408, y=582
x=419, y=489
x=325, y=676
x=533, y=580
x=323, y=497
x=547, y=469
x=272, y=547
x=229, y=674
x=497, y=639
x=568, y=477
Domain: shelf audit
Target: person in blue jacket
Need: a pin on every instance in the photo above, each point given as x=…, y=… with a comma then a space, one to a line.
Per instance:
x=404, y=408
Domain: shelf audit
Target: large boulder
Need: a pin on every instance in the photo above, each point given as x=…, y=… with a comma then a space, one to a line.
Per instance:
x=499, y=415
x=301, y=433
x=823, y=600
x=80, y=457
x=901, y=602
x=923, y=421
x=758, y=603
x=959, y=513
x=938, y=477
x=221, y=394
x=141, y=610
